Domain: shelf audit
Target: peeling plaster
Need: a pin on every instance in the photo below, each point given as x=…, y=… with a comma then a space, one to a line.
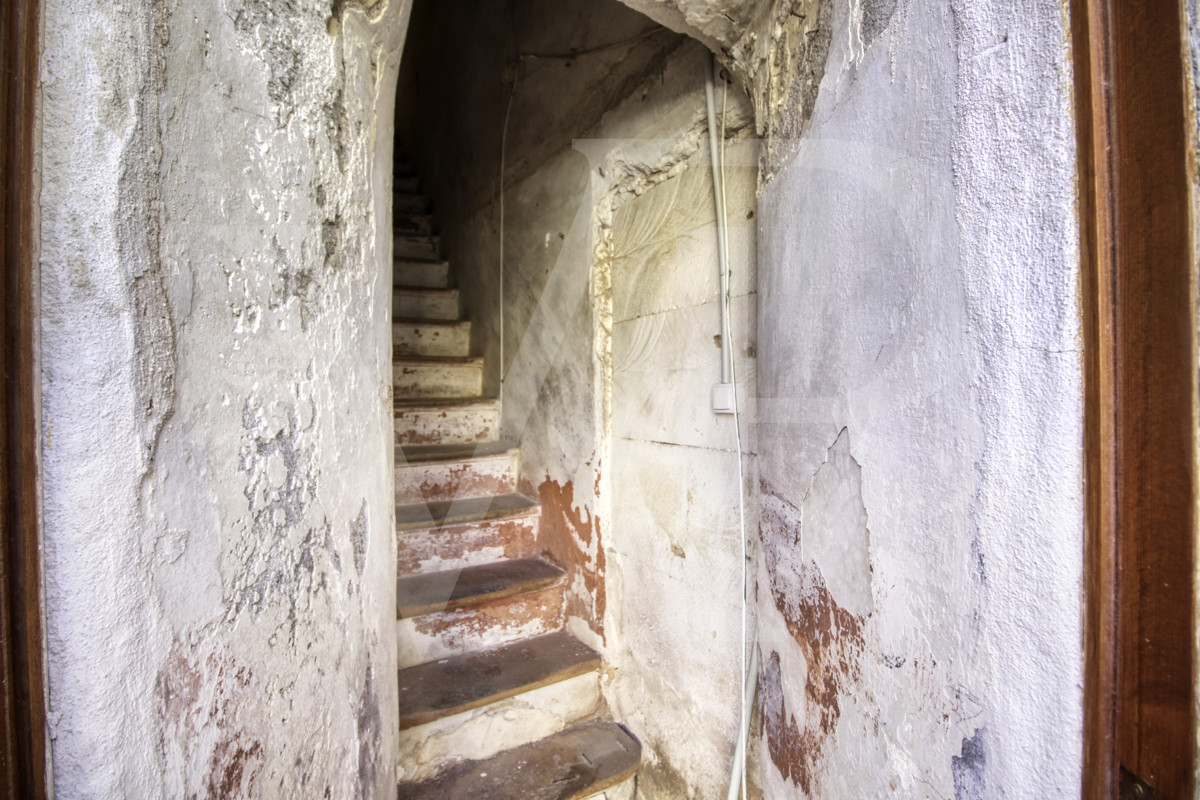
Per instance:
x=835, y=535
x=215, y=371
x=918, y=276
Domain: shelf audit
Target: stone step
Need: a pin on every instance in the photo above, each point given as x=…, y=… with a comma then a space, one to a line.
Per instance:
x=406, y=245
x=407, y=184
x=432, y=592
x=415, y=273
x=408, y=303
x=409, y=203
x=594, y=759
x=466, y=536
x=447, y=513
x=417, y=376
x=477, y=627
x=446, y=421
x=423, y=337
x=477, y=704
x=426, y=473
x=441, y=614
x=413, y=224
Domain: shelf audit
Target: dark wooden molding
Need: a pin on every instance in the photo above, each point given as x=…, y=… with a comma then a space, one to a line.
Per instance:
x=1089, y=26
x=23, y=751
x=1139, y=313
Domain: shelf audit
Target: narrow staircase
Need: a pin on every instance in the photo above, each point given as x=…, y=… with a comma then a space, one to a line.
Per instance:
x=497, y=700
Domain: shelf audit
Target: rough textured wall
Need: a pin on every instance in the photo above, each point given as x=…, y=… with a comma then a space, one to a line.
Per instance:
x=920, y=415
x=219, y=564
x=674, y=575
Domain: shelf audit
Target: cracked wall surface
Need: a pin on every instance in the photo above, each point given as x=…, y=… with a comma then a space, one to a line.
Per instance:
x=219, y=564
x=919, y=414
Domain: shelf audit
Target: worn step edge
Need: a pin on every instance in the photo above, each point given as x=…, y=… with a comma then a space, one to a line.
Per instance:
x=456, y=546
x=493, y=623
x=445, y=420
x=432, y=592
x=460, y=511
x=439, y=453
x=448, y=686
x=434, y=361
x=579, y=762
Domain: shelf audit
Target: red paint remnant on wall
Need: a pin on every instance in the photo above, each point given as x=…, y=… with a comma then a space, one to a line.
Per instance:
x=234, y=768
x=570, y=536
x=198, y=695
x=829, y=638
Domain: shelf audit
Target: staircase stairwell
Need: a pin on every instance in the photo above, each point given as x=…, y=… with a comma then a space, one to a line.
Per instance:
x=497, y=700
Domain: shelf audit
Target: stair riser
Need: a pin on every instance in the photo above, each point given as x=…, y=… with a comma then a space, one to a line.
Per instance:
x=423, y=274
x=425, y=305
x=407, y=203
x=417, y=339
x=415, y=246
x=448, y=480
x=455, y=546
x=625, y=790
x=483, y=732
x=448, y=425
x=499, y=622
x=407, y=184
x=437, y=380
x=413, y=224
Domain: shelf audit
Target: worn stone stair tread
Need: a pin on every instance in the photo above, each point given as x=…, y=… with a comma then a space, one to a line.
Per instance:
x=460, y=683
x=578, y=762
x=418, y=260
x=425, y=291
x=408, y=403
x=441, y=323
x=432, y=592
x=415, y=516
x=423, y=360
x=432, y=453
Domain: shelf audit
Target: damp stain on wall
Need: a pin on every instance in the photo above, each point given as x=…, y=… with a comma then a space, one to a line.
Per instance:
x=570, y=535
x=828, y=637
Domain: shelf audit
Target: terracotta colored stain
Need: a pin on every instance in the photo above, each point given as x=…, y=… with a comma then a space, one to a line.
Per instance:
x=405, y=436
x=829, y=637
x=234, y=767
x=565, y=535
x=457, y=629
x=515, y=538
x=464, y=481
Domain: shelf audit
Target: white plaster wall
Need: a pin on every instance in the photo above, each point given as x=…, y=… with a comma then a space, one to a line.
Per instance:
x=215, y=245
x=608, y=393
x=920, y=414
x=674, y=576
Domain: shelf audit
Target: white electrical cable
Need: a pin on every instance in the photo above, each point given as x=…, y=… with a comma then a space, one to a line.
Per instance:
x=503, y=151
x=718, y=199
x=749, y=677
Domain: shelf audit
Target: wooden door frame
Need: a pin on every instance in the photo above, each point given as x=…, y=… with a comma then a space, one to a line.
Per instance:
x=1139, y=317
x=23, y=733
